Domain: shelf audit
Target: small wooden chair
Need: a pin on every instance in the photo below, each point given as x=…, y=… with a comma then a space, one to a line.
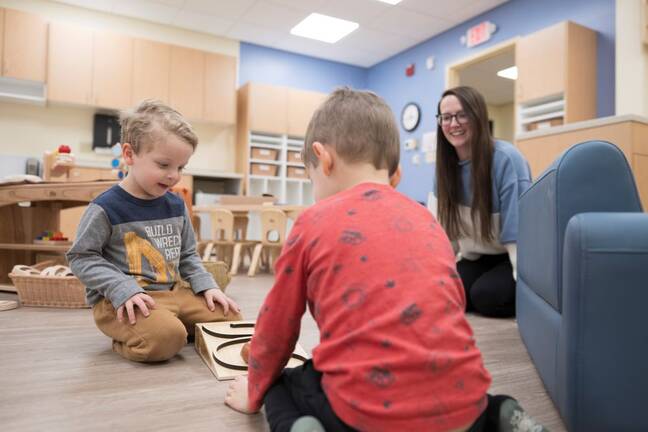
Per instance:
x=273, y=235
x=226, y=242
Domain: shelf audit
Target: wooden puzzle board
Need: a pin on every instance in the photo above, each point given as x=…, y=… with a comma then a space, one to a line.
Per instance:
x=223, y=341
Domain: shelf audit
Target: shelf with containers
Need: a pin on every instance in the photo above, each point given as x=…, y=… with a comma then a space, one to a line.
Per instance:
x=275, y=168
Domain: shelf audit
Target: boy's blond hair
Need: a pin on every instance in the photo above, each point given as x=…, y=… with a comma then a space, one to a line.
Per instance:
x=139, y=125
x=359, y=125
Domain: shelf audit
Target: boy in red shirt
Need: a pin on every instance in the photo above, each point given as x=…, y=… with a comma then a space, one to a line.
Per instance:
x=378, y=275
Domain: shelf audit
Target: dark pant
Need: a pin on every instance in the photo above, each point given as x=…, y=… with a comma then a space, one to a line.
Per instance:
x=298, y=392
x=489, y=285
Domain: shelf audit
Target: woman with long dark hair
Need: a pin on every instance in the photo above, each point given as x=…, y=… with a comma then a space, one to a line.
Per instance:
x=478, y=183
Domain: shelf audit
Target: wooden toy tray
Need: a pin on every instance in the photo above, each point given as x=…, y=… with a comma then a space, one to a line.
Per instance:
x=219, y=345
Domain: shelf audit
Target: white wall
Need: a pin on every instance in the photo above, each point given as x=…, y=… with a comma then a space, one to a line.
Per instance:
x=30, y=130
x=631, y=59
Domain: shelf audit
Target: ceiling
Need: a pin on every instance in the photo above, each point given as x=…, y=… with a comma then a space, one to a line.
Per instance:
x=384, y=31
x=483, y=76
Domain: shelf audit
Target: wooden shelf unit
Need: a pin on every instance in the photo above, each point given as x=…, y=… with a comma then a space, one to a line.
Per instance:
x=29, y=209
x=274, y=118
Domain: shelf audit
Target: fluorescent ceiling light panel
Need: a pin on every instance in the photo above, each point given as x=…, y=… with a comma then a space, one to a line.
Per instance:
x=391, y=2
x=510, y=73
x=323, y=28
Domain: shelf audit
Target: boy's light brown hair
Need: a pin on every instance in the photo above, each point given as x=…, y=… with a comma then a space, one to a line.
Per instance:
x=359, y=125
x=142, y=125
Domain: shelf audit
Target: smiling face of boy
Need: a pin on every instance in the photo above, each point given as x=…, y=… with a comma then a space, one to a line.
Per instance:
x=158, y=166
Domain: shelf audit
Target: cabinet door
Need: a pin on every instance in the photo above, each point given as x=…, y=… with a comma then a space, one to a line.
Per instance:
x=2, y=16
x=112, y=70
x=25, y=46
x=220, y=89
x=69, y=65
x=268, y=109
x=151, y=61
x=187, y=81
x=540, y=58
x=301, y=106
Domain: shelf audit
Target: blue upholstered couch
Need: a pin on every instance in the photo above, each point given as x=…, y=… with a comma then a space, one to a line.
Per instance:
x=582, y=293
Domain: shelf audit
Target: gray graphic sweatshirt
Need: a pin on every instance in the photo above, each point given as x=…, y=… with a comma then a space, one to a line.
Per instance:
x=126, y=245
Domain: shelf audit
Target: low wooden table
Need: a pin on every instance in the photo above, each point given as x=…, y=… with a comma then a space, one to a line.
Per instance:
x=292, y=211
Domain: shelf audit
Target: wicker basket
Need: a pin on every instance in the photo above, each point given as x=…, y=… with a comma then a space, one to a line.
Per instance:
x=220, y=271
x=49, y=291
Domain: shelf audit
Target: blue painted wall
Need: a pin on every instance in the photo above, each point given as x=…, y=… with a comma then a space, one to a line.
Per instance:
x=273, y=66
x=515, y=18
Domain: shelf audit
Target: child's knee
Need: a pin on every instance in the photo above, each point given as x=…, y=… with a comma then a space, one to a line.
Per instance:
x=160, y=344
x=233, y=316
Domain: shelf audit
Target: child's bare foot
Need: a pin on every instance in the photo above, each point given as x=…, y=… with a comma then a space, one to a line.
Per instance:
x=237, y=395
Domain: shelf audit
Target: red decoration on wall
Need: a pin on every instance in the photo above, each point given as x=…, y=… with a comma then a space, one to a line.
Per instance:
x=409, y=70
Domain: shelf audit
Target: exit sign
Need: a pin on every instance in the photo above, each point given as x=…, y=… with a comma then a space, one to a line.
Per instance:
x=479, y=34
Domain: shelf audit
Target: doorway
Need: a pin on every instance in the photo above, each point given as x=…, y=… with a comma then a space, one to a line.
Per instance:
x=481, y=72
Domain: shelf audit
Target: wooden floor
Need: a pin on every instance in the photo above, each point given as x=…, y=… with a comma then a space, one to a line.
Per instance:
x=57, y=373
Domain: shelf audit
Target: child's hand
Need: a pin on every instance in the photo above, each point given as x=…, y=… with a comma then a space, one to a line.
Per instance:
x=140, y=300
x=216, y=295
x=237, y=395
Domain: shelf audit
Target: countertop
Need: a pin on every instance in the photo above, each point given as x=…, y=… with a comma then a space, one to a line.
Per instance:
x=587, y=124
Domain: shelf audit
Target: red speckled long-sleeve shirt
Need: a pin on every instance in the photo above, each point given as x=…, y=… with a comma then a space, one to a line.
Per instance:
x=378, y=274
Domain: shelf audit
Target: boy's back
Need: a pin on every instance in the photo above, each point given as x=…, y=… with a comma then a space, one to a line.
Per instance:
x=378, y=275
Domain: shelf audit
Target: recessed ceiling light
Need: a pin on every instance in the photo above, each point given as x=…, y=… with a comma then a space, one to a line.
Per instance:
x=510, y=73
x=323, y=28
x=391, y=2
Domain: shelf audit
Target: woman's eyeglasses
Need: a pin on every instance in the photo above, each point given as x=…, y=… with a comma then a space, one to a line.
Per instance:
x=446, y=119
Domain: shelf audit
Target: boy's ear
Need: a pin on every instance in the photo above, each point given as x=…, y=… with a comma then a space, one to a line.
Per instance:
x=324, y=156
x=396, y=177
x=127, y=153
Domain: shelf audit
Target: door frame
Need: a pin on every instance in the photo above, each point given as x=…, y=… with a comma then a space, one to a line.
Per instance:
x=453, y=69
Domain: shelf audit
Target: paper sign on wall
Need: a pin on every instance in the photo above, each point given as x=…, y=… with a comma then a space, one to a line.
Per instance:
x=428, y=146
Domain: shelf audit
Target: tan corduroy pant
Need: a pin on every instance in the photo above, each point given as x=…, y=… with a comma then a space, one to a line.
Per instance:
x=163, y=333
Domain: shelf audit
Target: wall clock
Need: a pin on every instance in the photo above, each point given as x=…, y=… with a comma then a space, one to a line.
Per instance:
x=410, y=117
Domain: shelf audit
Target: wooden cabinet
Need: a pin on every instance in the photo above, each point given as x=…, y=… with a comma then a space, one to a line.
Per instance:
x=277, y=110
x=556, y=76
x=24, y=42
x=267, y=108
x=629, y=133
x=112, y=70
x=108, y=70
x=301, y=106
x=220, y=85
x=187, y=81
x=86, y=67
x=540, y=59
x=69, y=71
x=271, y=124
x=151, y=62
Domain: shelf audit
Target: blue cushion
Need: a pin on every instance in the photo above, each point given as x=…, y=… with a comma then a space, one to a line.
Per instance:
x=604, y=339
x=589, y=177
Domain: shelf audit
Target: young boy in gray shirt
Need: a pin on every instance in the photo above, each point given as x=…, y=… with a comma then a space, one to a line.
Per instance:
x=135, y=249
